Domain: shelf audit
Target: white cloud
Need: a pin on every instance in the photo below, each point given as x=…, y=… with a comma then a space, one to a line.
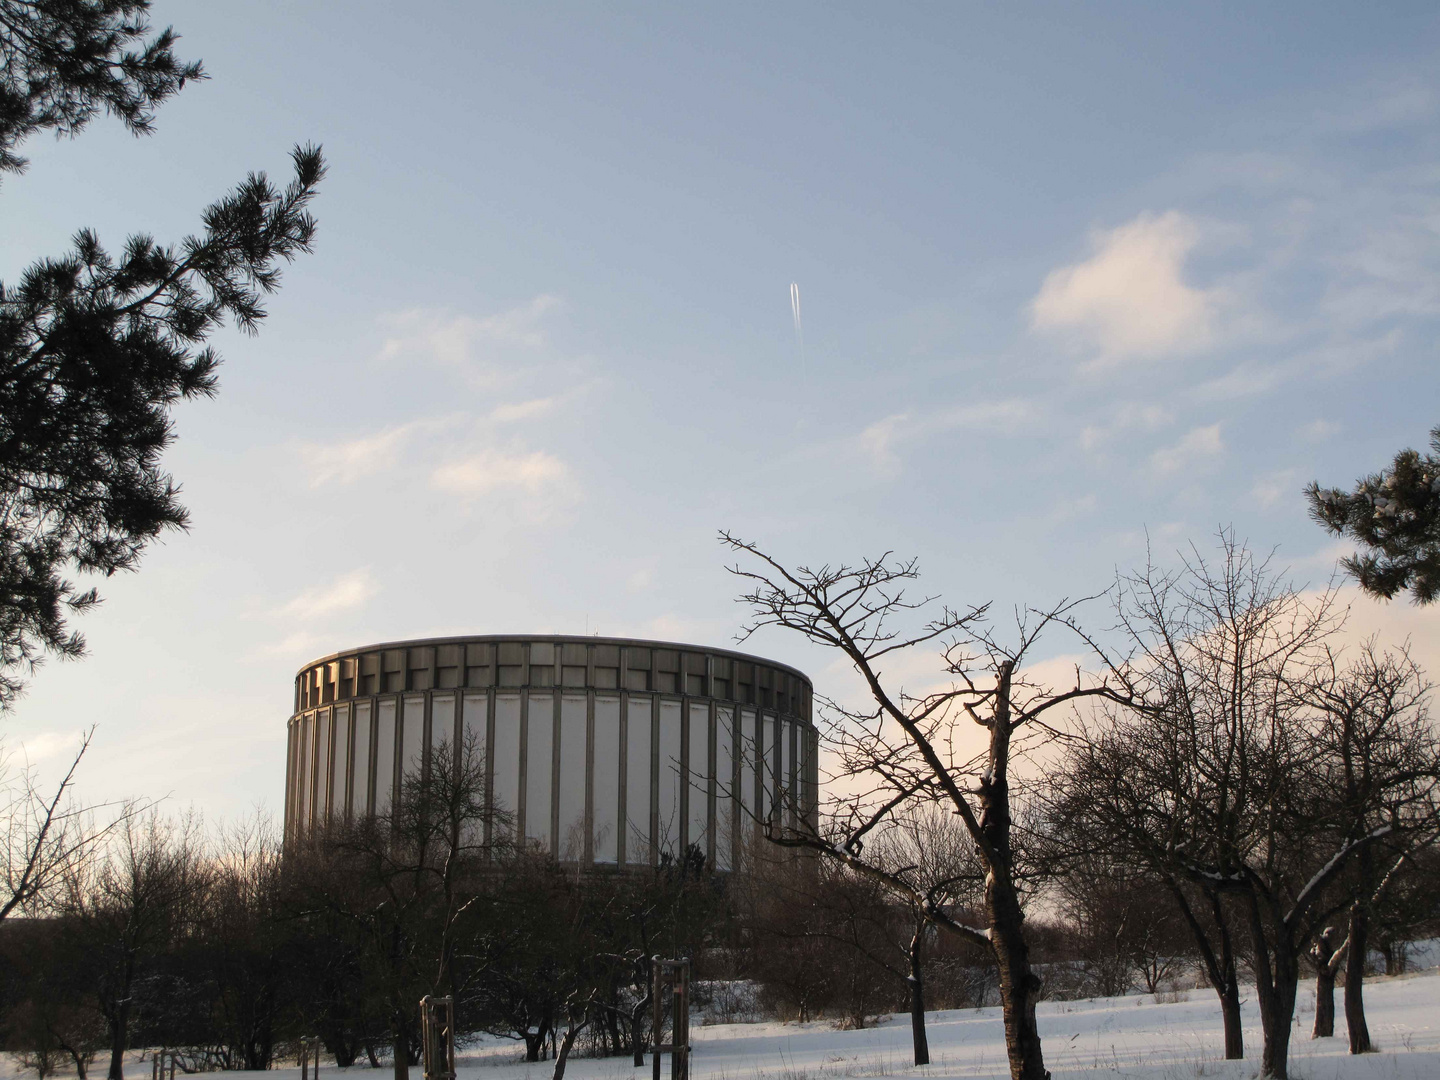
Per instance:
x=1247, y=380
x=1319, y=430
x=1392, y=623
x=1400, y=103
x=1064, y=510
x=345, y=593
x=300, y=644
x=1271, y=487
x=489, y=471
x=45, y=745
x=465, y=343
x=524, y=410
x=1196, y=446
x=345, y=462
x=1126, y=416
x=878, y=442
x=1007, y=416
x=1129, y=299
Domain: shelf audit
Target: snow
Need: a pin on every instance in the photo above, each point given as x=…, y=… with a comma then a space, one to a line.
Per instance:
x=1132, y=1037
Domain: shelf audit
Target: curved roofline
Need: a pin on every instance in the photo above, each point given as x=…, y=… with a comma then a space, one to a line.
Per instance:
x=466, y=639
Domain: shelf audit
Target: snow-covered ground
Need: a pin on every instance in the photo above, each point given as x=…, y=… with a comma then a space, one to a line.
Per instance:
x=1125, y=1037
x=1128, y=1037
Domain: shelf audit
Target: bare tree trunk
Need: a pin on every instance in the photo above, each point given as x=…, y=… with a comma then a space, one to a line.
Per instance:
x=1355, y=975
x=400, y=1068
x=1220, y=969
x=119, y=1036
x=1324, y=954
x=1277, y=977
x=563, y=1054
x=1324, y=1004
x=1230, y=1019
x=1229, y=990
x=917, y=999
x=637, y=1029
x=535, y=1042
x=1019, y=986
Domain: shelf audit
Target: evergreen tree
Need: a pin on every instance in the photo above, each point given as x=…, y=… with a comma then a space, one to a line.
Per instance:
x=1396, y=515
x=95, y=349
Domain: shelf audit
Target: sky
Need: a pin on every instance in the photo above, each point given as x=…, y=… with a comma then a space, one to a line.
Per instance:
x=1074, y=280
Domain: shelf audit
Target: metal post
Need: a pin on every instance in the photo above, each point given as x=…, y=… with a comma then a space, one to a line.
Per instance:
x=437, y=1037
x=680, y=1041
x=658, y=1022
x=677, y=973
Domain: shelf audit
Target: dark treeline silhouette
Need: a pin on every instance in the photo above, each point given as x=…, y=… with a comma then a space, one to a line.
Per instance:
x=227, y=949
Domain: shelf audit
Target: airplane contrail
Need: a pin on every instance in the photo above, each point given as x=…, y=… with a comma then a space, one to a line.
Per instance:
x=799, y=326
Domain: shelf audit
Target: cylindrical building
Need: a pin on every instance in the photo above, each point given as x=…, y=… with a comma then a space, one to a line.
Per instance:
x=599, y=750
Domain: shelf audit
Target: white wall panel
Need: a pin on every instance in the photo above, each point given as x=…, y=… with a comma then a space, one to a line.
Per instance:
x=412, y=739
x=292, y=740
x=324, y=761
x=770, y=763
x=637, y=780
x=341, y=774
x=572, y=777
x=385, y=756
x=539, y=766
x=787, y=776
x=442, y=723
x=360, y=784
x=469, y=750
x=749, y=763
x=307, y=775
x=698, y=774
x=668, y=793
x=606, y=778
x=802, y=767
x=724, y=785
x=473, y=720
x=505, y=784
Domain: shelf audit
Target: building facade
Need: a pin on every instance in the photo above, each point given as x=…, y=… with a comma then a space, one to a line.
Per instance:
x=598, y=750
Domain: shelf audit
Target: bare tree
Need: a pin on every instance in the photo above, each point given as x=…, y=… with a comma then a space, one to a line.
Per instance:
x=1211, y=779
x=46, y=835
x=1102, y=801
x=1122, y=918
x=1380, y=762
x=934, y=850
x=51, y=1013
x=132, y=905
x=905, y=749
x=402, y=882
x=245, y=954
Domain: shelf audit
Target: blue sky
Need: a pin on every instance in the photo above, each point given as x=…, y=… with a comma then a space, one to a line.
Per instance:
x=1069, y=274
